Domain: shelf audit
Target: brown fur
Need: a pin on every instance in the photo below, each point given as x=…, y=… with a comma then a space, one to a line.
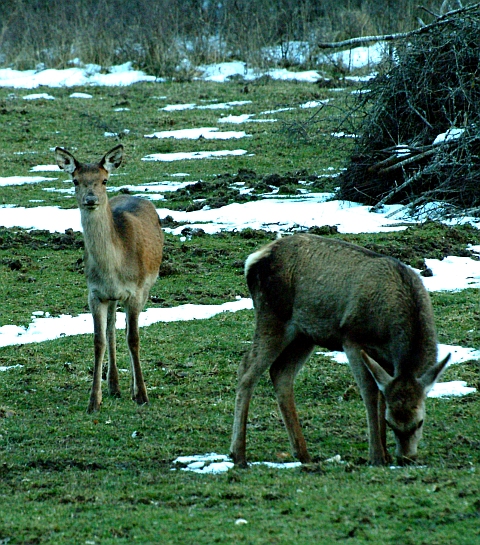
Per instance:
x=123, y=252
x=307, y=291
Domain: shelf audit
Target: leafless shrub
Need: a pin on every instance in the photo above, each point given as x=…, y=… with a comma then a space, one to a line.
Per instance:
x=430, y=89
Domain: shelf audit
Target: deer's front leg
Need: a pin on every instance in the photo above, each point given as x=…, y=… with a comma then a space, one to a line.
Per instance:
x=99, y=313
x=112, y=374
x=370, y=395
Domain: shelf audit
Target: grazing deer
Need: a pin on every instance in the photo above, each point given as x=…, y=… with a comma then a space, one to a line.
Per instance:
x=123, y=251
x=307, y=291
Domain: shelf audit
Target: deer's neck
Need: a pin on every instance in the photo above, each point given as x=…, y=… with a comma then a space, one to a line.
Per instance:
x=102, y=242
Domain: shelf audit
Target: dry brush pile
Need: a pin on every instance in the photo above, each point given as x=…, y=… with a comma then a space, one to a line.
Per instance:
x=420, y=138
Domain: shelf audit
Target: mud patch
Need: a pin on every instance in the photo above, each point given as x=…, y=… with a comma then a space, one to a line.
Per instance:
x=37, y=239
x=245, y=186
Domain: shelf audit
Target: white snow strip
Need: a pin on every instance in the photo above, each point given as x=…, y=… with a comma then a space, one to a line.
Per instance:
x=308, y=76
x=154, y=187
x=314, y=103
x=243, y=118
x=21, y=180
x=81, y=95
x=50, y=218
x=8, y=367
x=237, y=119
x=209, y=133
x=359, y=57
x=49, y=328
x=39, y=96
x=179, y=156
x=46, y=168
x=119, y=75
x=214, y=106
x=178, y=107
x=212, y=463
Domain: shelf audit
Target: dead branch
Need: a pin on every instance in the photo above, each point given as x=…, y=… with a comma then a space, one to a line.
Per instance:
x=362, y=40
x=387, y=197
x=408, y=161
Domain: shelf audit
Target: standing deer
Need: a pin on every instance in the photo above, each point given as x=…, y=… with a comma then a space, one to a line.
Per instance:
x=123, y=251
x=307, y=291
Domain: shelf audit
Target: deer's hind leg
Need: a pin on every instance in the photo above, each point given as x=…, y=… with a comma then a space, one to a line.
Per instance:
x=139, y=390
x=268, y=343
x=283, y=373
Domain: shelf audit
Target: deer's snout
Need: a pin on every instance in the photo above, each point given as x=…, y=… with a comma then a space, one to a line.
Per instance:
x=90, y=200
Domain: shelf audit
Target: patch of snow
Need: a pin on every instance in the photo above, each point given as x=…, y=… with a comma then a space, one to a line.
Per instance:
x=451, y=134
x=81, y=95
x=49, y=328
x=283, y=214
x=20, y=180
x=215, y=106
x=180, y=156
x=209, y=133
x=314, y=103
x=450, y=389
x=8, y=367
x=87, y=75
x=212, y=463
x=452, y=274
x=39, y=96
x=46, y=168
x=342, y=134
x=308, y=76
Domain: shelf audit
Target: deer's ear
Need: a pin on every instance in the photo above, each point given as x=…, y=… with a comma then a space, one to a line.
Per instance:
x=382, y=378
x=112, y=158
x=430, y=377
x=65, y=160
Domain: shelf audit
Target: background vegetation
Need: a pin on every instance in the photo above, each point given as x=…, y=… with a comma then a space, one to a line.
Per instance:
x=170, y=37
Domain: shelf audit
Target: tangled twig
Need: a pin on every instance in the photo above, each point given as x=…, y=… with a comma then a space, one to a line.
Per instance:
x=420, y=137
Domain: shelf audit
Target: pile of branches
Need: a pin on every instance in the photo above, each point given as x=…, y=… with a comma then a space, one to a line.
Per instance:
x=420, y=138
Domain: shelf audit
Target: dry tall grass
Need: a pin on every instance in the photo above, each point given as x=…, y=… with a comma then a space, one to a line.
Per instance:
x=158, y=34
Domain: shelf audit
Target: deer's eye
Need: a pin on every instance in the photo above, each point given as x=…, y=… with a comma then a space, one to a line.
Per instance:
x=104, y=182
x=75, y=182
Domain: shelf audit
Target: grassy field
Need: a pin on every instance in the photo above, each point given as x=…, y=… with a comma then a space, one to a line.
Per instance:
x=68, y=477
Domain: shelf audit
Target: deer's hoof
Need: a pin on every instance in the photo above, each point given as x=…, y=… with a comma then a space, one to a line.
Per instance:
x=378, y=462
x=93, y=406
x=239, y=461
x=114, y=392
x=140, y=399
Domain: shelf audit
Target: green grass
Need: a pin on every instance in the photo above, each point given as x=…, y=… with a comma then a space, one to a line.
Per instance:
x=35, y=127
x=68, y=477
